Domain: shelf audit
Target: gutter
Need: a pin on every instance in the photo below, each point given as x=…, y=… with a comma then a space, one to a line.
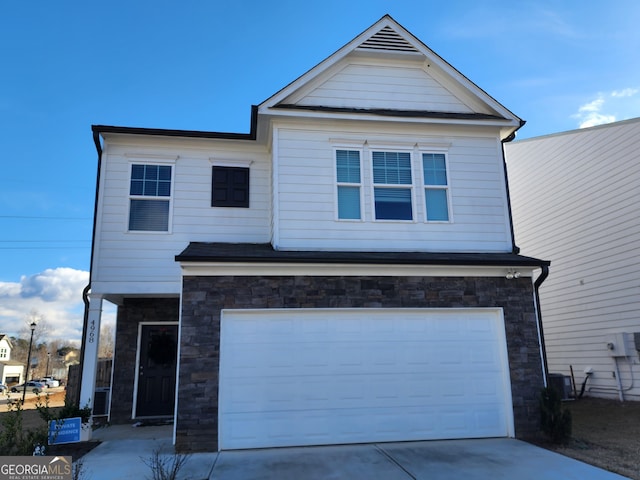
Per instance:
x=512, y=135
x=85, y=292
x=163, y=132
x=543, y=349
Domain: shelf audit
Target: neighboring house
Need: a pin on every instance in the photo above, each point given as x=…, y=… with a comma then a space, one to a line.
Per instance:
x=343, y=273
x=575, y=202
x=11, y=372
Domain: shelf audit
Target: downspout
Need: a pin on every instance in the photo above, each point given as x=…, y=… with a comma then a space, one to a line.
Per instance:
x=514, y=248
x=536, y=289
x=85, y=292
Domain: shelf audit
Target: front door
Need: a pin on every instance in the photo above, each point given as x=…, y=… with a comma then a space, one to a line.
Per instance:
x=157, y=370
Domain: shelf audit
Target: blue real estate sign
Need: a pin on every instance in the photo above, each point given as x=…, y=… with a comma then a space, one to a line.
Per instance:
x=66, y=430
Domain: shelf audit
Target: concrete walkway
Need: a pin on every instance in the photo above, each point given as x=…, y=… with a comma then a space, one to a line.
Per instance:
x=123, y=450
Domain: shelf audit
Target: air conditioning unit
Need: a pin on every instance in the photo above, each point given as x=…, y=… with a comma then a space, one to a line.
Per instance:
x=101, y=400
x=561, y=384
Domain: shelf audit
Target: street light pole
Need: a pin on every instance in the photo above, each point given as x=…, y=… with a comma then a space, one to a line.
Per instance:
x=46, y=371
x=26, y=377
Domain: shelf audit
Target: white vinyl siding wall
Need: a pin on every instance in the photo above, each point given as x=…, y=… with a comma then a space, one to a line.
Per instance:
x=306, y=200
x=397, y=86
x=146, y=263
x=575, y=203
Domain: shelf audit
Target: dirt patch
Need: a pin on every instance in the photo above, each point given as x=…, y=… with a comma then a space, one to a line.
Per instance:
x=606, y=433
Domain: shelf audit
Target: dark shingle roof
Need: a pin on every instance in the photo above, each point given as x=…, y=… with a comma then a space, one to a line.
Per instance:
x=264, y=253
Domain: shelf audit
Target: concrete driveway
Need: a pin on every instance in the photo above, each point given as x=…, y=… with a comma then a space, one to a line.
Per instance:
x=488, y=459
x=123, y=452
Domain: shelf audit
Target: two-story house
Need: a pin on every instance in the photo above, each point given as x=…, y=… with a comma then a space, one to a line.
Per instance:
x=345, y=272
x=11, y=371
x=576, y=203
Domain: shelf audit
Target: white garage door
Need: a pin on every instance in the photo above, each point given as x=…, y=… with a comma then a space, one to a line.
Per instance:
x=314, y=377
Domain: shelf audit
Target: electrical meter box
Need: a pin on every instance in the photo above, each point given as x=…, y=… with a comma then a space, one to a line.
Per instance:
x=618, y=345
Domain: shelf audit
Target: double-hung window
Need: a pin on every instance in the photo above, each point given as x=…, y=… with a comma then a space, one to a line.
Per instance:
x=392, y=185
x=435, y=187
x=349, y=182
x=149, y=197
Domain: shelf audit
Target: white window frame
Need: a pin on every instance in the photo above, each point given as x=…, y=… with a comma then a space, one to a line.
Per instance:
x=425, y=186
x=411, y=187
x=151, y=160
x=338, y=184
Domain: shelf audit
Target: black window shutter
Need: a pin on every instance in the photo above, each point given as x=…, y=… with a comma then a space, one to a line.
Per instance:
x=230, y=187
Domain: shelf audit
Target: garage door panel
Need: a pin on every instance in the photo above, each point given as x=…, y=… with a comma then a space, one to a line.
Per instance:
x=316, y=377
x=356, y=425
x=393, y=390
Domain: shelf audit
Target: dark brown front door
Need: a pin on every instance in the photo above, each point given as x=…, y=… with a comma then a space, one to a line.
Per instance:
x=157, y=370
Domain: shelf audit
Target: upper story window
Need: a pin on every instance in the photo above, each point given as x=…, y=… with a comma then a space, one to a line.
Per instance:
x=436, y=187
x=4, y=353
x=349, y=182
x=149, y=198
x=230, y=187
x=393, y=184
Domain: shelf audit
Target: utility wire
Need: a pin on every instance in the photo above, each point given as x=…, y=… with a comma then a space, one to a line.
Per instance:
x=44, y=241
x=24, y=217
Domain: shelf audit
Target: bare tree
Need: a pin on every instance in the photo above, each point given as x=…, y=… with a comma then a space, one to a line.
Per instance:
x=42, y=331
x=39, y=349
x=107, y=341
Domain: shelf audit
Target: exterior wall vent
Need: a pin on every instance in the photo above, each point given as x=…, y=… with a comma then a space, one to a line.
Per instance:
x=388, y=39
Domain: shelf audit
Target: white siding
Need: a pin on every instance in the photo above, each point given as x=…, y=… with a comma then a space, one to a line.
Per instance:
x=144, y=262
x=575, y=202
x=388, y=86
x=307, y=216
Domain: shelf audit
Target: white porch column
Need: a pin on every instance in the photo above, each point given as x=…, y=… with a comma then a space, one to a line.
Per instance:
x=90, y=365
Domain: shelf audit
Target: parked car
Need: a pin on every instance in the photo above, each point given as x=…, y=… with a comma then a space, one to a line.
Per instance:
x=33, y=386
x=49, y=382
x=3, y=388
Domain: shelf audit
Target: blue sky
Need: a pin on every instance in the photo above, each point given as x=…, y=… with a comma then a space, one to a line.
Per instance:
x=200, y=65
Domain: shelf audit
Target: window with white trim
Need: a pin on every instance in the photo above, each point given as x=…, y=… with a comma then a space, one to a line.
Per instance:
x=4, y=353
x=436, y=187
x=149, y=197
x=349, y=181
x=393, y=183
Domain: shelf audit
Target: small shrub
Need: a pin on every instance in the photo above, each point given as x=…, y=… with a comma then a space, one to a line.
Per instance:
x=69, y=410
x=165, y=467
x=17, y=441
x=555, y=421
x=14, y=440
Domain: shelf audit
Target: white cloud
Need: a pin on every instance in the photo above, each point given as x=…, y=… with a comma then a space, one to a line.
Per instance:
x=55, y=285
x=627, y=92
x=593, y=106
x=55, y=294
x=609, y=107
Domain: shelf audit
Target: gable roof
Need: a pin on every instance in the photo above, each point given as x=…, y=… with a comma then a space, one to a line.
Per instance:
x=386, y=39
x=431, y=90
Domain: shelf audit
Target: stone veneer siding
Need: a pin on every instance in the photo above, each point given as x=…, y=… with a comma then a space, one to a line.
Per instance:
x=130, y=314
x=204, y=298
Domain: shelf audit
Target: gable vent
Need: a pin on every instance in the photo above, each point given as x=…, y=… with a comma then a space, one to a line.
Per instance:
x=388, y=39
